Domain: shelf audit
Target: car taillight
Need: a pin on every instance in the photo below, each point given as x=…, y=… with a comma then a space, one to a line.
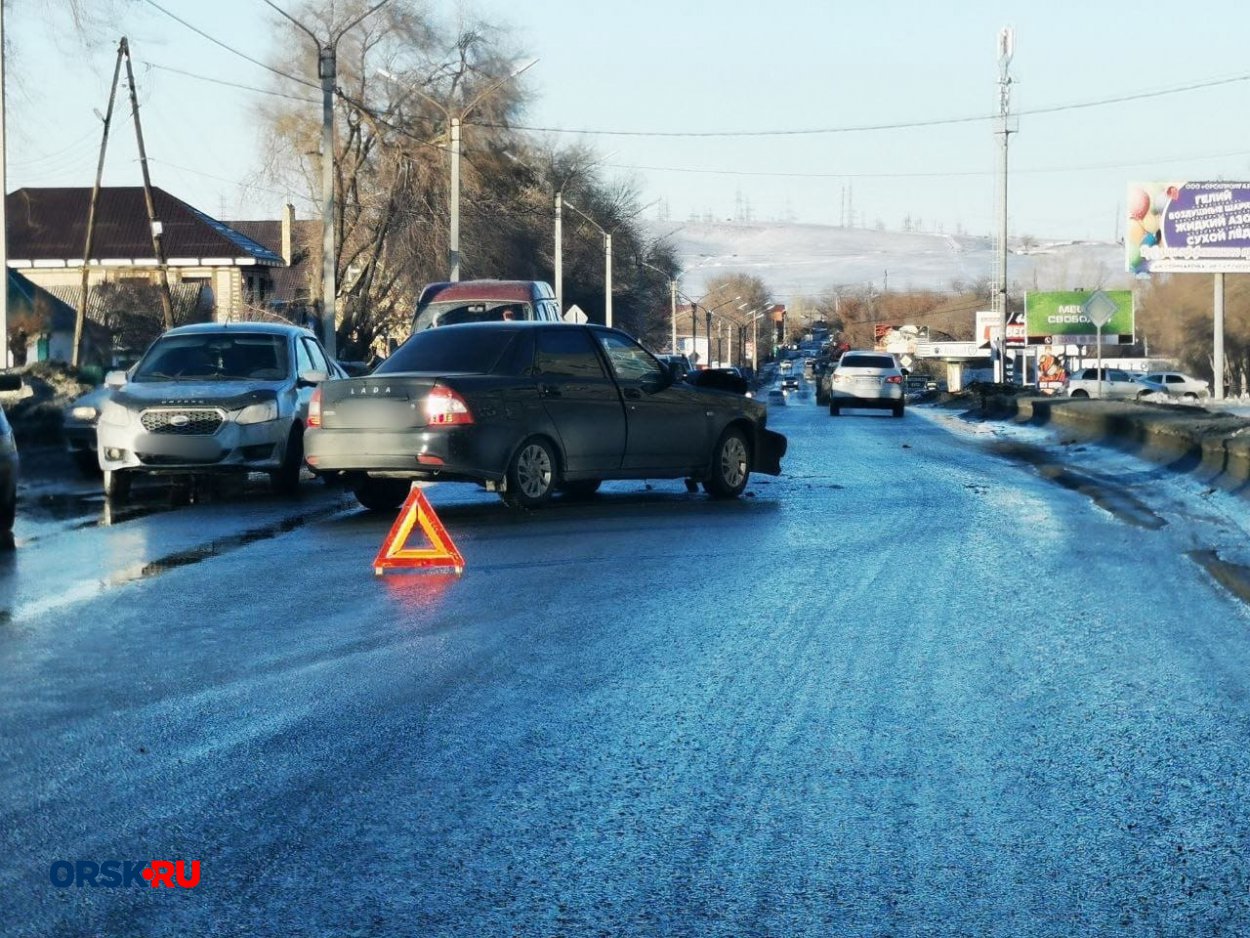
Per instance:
x=314, y=408
x=894, y=379
x=445, y=408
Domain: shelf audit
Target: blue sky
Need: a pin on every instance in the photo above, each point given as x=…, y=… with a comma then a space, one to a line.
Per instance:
x=683, y=67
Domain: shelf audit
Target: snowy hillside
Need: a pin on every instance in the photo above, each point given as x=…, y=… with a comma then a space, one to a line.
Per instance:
x=805, y=260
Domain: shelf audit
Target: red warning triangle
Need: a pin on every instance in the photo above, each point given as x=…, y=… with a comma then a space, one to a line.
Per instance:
x=442, y=551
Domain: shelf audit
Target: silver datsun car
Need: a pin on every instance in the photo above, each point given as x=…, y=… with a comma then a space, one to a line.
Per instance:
x=213, y=398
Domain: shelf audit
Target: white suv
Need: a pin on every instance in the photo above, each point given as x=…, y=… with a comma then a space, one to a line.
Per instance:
x=213, y=398
x=866, y=379
x=1116, y=385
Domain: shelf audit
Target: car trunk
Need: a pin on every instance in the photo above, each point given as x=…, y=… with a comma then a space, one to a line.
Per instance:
x=383, y=402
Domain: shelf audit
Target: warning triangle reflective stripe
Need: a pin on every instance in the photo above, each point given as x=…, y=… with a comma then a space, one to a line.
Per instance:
x=394, y=555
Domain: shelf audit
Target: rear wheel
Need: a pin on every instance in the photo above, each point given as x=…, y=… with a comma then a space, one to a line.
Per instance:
x=898, y=410
x=731, y=466
x=381, y=494
x=1079, y=393
x=532, y=475
x=116, y=485
x=285, y=480
x=1191, y=396
x=833, y=409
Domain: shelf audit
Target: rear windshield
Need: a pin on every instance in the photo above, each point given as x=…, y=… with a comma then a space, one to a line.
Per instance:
x=455, y=312
x=868, y=361
x=464, y=351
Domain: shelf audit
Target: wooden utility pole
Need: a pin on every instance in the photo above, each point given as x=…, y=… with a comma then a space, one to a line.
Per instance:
x=95, y=198
x=167, y=304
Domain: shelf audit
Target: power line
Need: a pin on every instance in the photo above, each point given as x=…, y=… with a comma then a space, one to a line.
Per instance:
x=231, y=49
x=899, y=125
x=230, y=84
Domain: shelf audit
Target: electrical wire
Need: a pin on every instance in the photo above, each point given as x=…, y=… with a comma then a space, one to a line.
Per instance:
x=228, y=48
x=230, y=84
x=898, y=125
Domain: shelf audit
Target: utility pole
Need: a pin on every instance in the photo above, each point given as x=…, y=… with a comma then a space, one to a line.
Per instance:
x=607, y=278
x=672, y=297
x=559, y=251
x=1006, y=49
x=327, y=71
x=167, y=305
x=80, y=319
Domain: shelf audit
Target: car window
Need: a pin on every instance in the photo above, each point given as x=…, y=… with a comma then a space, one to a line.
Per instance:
x=303, y=361
x=630, y=361
x=1173, y=379
x=466, y=350
x=567, y=353
x=518, y=362
x=316, y=355
x=868, y=361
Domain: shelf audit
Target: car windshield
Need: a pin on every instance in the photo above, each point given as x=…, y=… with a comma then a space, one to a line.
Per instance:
x=215, y=356
x=456, y=312
x=470, y=350
x=867, y=361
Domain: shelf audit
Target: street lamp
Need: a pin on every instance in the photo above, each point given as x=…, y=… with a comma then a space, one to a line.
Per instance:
x=327, y=71
x=453, y=134
x=607, y=251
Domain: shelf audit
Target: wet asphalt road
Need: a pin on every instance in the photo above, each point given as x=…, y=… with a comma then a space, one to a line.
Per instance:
x=924, y=684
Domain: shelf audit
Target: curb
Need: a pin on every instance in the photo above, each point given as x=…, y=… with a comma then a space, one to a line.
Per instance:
x=1185, y=438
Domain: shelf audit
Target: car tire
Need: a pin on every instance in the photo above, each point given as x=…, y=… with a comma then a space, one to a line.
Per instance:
x=1078, y=393
x=88, y=463
x=582, y=488
x=116, y=485
x=1190, y=396
x=1142, y=395
x=381, y=494
x=898, y=410
x=731, y=465
x=285, y=480
x=8, y=512
x=532, y=475
x=834, y=410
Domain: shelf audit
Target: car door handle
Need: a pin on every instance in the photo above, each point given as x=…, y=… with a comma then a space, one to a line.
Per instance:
x=548, y=390
x=633, y=394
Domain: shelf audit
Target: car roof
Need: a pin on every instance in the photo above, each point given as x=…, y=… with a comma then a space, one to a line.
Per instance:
x=514, y=290
x=268, y=328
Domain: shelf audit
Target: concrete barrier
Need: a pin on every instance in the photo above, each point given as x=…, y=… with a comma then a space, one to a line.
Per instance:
x=1184, y=437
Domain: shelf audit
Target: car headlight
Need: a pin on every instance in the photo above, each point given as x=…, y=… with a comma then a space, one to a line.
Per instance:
x=85, y=412
x=115, y=414
x=258, y=413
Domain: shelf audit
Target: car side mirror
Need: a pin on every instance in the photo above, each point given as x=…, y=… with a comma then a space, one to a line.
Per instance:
x=310, y=378
x=115, y=380
x=674, y=372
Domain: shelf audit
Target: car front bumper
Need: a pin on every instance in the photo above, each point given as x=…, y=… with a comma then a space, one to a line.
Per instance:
x=234, y=447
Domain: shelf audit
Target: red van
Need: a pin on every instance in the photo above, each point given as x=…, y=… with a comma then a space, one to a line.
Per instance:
x=446, y=304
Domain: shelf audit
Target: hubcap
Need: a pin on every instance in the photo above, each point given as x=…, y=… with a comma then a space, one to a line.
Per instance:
x=533, y=470
x=733, y=461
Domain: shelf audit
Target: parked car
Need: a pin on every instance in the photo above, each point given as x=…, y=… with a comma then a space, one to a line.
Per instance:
x=464, y=301
x=213, y=398
x=527, y=409
x=1173, y=384
x=8, y=478
x=1116, y=384
x=78, y=427
x=866, y=379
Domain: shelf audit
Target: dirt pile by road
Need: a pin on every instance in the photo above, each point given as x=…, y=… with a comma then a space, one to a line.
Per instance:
x=37, y=410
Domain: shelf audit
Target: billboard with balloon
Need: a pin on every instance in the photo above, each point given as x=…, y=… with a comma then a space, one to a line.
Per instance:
x=1188, y=227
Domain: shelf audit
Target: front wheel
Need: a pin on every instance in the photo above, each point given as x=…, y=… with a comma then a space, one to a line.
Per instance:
x=285, y=480
x=381, y=494
x=116, y=485
x=532, y=475
x=731, y=465
x=1078, y=393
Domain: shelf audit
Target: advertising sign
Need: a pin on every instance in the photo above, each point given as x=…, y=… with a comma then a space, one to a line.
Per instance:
x=1188, y=227
x=1071, y=317
x=988, y=325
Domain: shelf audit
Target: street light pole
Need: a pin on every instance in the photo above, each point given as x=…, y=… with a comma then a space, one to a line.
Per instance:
x=327, y=71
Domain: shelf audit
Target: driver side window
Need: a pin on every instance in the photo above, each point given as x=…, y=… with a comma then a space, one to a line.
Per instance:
x=630, y=361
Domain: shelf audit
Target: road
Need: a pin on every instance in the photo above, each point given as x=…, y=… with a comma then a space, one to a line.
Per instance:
x=941, y=678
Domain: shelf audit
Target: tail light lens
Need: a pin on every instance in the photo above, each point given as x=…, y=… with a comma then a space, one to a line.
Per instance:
x=314, y=408
x=445, y=408
x=894, y=379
